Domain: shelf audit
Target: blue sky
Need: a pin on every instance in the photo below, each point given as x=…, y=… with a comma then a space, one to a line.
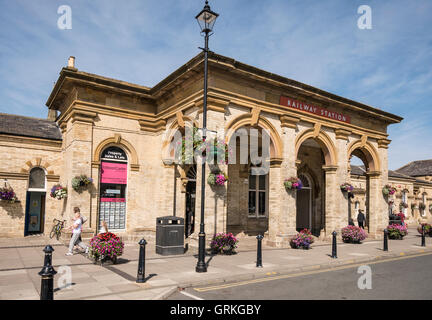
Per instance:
x=315, y=42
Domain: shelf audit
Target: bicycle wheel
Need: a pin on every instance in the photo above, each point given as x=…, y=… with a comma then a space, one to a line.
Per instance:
x=58, y=233
x=53, y=232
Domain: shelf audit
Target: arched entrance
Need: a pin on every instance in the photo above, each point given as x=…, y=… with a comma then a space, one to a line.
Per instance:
x=252, y=147
x=313, y=154
x=190, y=201
x=35, y=204
x=113, y=183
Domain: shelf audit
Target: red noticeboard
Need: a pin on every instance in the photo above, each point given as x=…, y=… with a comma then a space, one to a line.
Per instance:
x=306, y=107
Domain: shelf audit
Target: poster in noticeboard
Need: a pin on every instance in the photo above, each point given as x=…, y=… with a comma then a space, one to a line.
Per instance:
x=114, y=173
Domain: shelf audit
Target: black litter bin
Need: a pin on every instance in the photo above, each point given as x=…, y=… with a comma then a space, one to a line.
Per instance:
x=169, y=235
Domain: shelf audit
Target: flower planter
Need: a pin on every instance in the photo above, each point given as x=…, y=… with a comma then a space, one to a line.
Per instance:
x=303, y=240
x=105, y=247
x=224, y=243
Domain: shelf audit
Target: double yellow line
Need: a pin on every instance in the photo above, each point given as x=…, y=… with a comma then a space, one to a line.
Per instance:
x=272, y=278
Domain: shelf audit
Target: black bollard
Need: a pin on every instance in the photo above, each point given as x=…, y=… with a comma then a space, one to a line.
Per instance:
x=385, y=240
x=423, y=237
x=334, y=249
x=141, y=262
x=259, y=251
x=47, y=273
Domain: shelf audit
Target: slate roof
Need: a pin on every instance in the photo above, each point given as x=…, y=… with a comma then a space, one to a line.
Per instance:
x=29, y=127
x=417, y=168
x=358, y=170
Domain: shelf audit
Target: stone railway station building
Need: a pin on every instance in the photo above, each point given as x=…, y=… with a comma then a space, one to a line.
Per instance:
x=120, y=135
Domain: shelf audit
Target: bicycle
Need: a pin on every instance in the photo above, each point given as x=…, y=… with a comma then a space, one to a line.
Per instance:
x=57, y=228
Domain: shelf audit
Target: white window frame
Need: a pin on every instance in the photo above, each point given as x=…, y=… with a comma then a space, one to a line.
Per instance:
x=257, y=190
x=45, y=182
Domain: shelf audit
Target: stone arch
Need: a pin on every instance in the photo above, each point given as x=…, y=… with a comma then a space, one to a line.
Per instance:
x=366, y=152
x=169, y=134
x=118, y=141
x=326, y=144
x=246, y=120
x=37, y=162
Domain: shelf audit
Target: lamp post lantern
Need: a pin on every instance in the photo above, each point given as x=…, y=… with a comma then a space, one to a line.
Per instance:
x=206, y=20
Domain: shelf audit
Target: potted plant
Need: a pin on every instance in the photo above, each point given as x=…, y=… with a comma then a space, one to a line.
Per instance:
x=346, y=187
x=58, y=192
x=293, y=183
x=105, y=246
x=80, y=182
x=396, y=231
x=224, y=243
x=302, y=240
x=403, y=205
x=353, y=234
x=217, y=179
x=427, y=229
x=7, y=194
x=388, y=190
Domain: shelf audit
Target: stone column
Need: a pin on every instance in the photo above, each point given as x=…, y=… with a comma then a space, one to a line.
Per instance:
x=282, y=204
x=331, y=207
x=341, y=198
x=378, y=213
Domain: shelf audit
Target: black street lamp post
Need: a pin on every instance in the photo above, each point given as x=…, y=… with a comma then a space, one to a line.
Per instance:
x=206, y=19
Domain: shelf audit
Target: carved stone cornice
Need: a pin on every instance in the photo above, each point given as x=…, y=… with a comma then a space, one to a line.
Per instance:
x=83, y=116
x=289, y=121
x=152, y=125
x=330, y=169
x=213, y=104
x=342, y=134
x=383, y=143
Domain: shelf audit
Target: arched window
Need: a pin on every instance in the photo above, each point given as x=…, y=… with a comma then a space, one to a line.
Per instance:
x=37, y=179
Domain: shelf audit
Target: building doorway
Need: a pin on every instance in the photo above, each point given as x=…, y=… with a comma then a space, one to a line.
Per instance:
x=190, y=201
x=35, y=202
x=304, y=204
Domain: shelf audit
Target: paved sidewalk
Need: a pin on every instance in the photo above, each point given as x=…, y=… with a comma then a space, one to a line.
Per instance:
x=22, y=259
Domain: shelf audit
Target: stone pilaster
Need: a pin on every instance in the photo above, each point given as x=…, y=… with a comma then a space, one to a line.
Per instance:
x=331, y=207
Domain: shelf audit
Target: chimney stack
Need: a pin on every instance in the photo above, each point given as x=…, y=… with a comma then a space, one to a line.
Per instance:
x=71, y=62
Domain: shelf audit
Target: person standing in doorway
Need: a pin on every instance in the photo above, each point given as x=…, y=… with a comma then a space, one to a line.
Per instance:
x=361, y=219
x=76, y=233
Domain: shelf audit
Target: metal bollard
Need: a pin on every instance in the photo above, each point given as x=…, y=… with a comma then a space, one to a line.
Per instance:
x=259, y=251
x=47, y=273
x=141, y=262
x=385, y=240
x=423, y=243
x=334, y=248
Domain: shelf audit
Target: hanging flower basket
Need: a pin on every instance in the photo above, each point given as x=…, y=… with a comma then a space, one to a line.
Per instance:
x=211, y=149
x=293, y=183
x=403, y=205
x=422, y=206
x=81, y=182
x=414, y=206
x=427, y=229
x=430, y=207
x=7, y=194
x=388, y=190
x=217, y=179
x=58, y=192
x=346, y=187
